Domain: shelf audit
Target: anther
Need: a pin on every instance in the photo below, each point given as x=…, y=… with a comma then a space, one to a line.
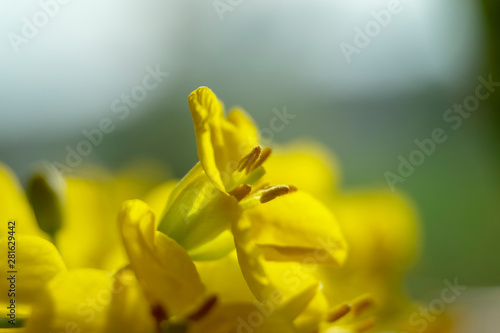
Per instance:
x=159, y=315
x=361, y=304
x=245, y=160
x=204, y=309
x=337, y=312
x=253, y=158
x=262, y=158
x=274, y=192
x=241, y=191
x=365, y=325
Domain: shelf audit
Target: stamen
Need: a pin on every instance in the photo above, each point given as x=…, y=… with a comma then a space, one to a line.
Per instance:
x=205, y=309
x=262, y=158
x=365, y=325
x=241, y=191
x=293, y=188
x=248, y=157
x=274, y=192
x=361, y=304
x=253, y=158
x=338, y=312
x=159, y=315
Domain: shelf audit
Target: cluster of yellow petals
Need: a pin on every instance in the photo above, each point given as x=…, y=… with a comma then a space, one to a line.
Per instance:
x=252, y=239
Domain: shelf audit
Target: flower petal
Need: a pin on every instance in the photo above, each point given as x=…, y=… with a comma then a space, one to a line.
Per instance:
x=295, y=227
x=240, y=134
x=307, y=165
x=162, y=266
x=129, y=310
x=242, y=318
x=89, y=236
x=383, y=240
x=75, y=301
x=37, y=262
x=223, y=278
x=207, y=115
x=287, y=283
x=384, y=234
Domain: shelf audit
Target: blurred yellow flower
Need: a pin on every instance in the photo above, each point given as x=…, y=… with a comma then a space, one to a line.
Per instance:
x=37, y=259
x=383, y=234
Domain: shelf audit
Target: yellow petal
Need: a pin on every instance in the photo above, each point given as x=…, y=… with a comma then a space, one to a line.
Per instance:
x=240, y=134
x=37, y=261
x=14, y=205
x=91, y=210
x=282, y=282
x=129, y=310
x=383, y=238
x=309, y=166
x=207, y=115
x=243, y=318
x=297, y=227
x=12, y=330
x=90, y=236
x=223, y=278
x=75, y=301
x=381, y=228
x=162, y=266
x=314, y=314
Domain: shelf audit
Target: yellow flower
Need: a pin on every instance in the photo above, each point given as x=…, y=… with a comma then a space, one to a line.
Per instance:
x=83, y=208
x=220, y=190
x=217, y=208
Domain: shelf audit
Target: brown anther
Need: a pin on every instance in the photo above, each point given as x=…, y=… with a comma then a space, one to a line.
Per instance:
x=365, y=325
x=253, y=158
x=241, y=191
x=274, y=192
x=204, y=309
x=159, y=315
x=293, y=188
x=361, y=304
x=337, y=312
x=245, y=160
x=262, y=158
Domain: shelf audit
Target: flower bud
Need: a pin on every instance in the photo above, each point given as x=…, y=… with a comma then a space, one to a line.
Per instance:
x=45, y=192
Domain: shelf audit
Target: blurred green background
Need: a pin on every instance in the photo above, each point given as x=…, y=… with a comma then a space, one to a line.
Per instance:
x=265, y=56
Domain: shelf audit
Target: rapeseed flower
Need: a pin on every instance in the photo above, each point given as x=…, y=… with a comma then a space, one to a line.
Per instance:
x=252, y=239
